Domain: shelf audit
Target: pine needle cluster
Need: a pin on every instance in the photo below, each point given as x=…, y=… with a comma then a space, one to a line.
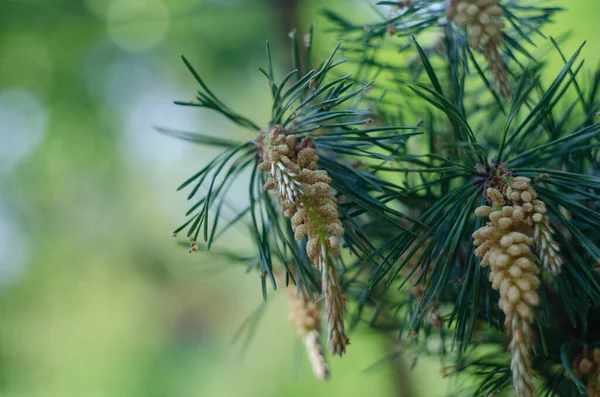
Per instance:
x=444, y=192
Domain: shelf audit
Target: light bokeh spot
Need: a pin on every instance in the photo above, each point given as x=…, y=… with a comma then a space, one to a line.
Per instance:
x=14, y=254
x=138, y=25
x=23, y=123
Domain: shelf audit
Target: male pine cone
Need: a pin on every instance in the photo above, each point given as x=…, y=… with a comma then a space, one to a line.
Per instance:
x=305, y=315
x=305, y=196
x=504, y=245
x=482, y=17
x=587, y=368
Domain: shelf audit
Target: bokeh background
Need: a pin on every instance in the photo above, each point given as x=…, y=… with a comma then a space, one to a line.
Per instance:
x=96, y=299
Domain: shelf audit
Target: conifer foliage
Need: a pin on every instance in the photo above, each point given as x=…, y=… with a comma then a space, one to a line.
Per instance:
x=467, y=220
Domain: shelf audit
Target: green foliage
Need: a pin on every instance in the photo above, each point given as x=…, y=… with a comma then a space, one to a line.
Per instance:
x=403, y=200
x=312, y=106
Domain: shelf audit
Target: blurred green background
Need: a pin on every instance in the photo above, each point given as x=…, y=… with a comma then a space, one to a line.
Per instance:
x=96, y=299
